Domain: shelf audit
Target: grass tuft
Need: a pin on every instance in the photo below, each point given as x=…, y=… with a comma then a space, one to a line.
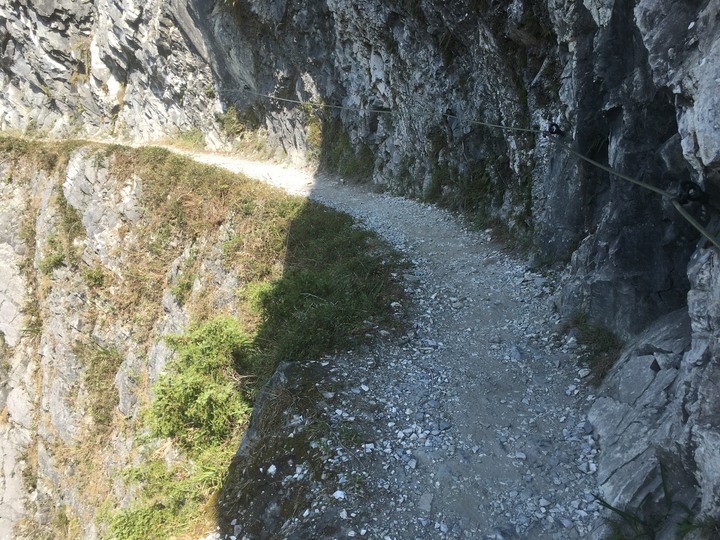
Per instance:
x=601, y=348
x=101, y=366
x=55, y=257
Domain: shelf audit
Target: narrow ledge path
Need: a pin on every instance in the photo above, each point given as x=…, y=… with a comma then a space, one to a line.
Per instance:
x=476, y=419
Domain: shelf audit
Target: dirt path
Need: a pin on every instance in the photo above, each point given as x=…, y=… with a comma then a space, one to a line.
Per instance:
x=474, y=423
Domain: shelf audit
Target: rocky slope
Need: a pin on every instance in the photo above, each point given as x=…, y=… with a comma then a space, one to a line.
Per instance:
x=632, y=85
x=73, y=378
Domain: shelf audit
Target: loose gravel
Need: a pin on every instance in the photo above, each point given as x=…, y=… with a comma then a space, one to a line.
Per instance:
x=473, y=424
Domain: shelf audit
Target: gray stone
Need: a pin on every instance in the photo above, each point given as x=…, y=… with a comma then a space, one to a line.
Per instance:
x=12, y=288
x=647, y=424
x=425, y=503
x=12, y=285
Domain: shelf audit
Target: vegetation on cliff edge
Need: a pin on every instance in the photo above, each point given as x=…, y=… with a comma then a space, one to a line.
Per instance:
x=309, y=282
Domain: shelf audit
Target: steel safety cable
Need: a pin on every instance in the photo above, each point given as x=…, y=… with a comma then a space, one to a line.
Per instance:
x=673, y=200
x=676, y=204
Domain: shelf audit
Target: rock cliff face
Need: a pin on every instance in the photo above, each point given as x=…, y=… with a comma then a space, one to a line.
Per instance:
x=632, y=85
x=657, y=416
x=134, y=69
x=45, y=399
x=89, y=289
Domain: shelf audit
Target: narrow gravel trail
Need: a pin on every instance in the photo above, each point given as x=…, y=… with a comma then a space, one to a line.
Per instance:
x=474, y=422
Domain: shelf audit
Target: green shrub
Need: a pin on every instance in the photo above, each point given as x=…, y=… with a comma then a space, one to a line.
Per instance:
x=55, y=257
x=197, y=404
x=33, y=317
x=197, y=401
x=230, y=122
x=94, y=277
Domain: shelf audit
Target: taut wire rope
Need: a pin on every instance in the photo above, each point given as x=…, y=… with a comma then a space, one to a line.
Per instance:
x=554, y=132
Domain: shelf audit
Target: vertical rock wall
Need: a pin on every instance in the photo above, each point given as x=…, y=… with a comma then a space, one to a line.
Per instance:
x=599, y=69
x=52, y=315
x=16, y=399
x=657, y=417
x=78, y=349
x=124, y=68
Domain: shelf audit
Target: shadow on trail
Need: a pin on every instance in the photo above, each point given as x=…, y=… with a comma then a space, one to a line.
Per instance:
x=334, y=291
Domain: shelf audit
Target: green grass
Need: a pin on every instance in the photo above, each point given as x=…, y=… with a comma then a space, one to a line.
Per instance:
x=172, y=499
x=314, y=136
x=235, y=124
x=199, y=405
x=601, y=347
x=198, y=401
x=71, y=227
x=336, y=276
x=101, y=366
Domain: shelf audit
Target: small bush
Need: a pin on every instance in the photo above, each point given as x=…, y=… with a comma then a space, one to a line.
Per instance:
x=197, y=401
x=314, y=135
x=55, y=257
x=230, y=122
x=94, y=277
x=33, y=317
x=64, y=523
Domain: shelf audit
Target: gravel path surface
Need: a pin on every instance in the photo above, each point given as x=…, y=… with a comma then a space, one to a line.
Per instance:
x=473, y=424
